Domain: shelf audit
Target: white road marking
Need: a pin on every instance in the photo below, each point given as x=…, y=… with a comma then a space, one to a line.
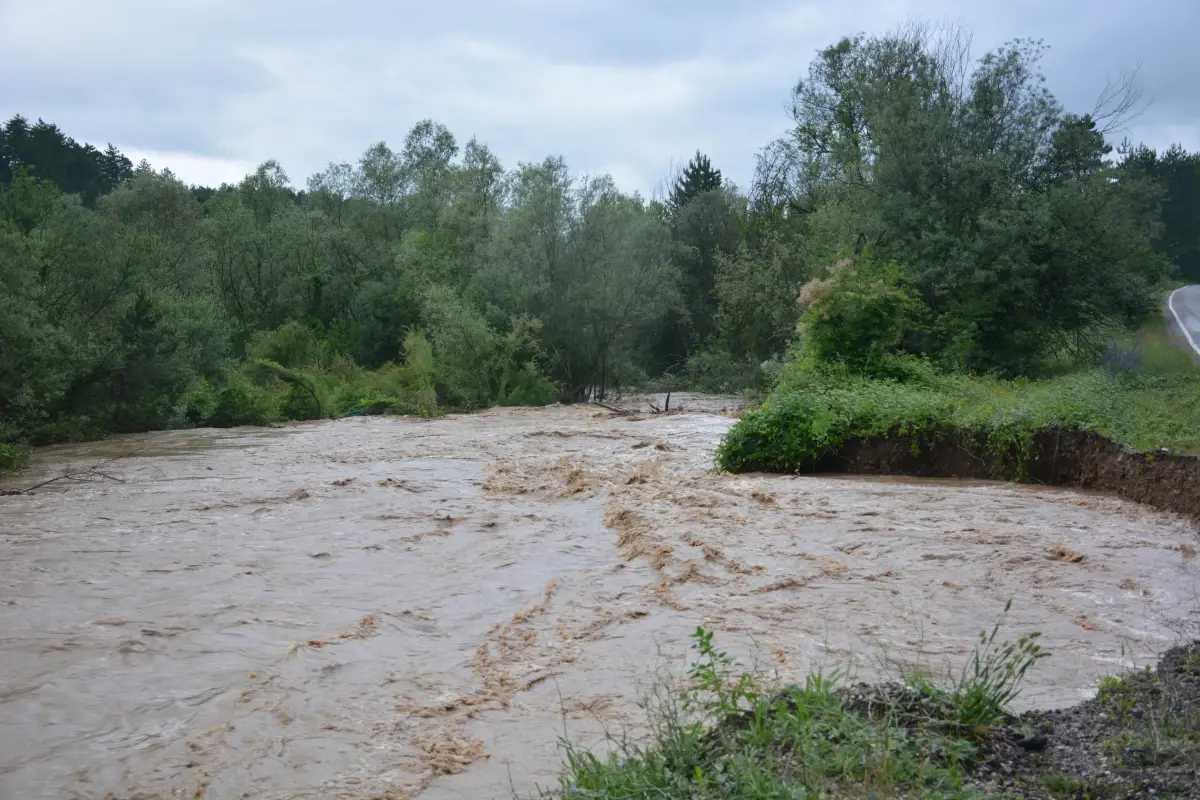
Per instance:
x=1179, y=322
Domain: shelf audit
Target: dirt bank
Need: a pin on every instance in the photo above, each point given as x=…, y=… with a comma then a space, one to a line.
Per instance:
x=1076, y=459
x=1140, y=737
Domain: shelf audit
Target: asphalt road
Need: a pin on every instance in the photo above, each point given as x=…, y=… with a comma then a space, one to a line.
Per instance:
x=1183, y=310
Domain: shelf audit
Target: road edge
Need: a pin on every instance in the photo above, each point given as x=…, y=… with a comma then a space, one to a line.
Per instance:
x=1179, y=323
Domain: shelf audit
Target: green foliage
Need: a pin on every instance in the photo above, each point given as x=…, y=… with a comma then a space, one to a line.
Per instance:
x=292, y=344
x=730, y=734
x=130, y=301
x=816, y=409
x=756, y=289
x=306, y=393
x=697, y=178
x=859, y=314
x=1176, y=173
x=990, y=681
x=719, y=372
x=530, y=388
x=1004, y=210
x=242, y=402
x=12, y=458
x=53, y=156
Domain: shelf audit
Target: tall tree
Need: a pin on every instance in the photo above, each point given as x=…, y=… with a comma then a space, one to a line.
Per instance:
x=697, y=178
x=1177, y=173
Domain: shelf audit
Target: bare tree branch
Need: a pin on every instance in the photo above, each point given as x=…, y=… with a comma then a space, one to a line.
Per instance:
x=96, y=473
x=1120, y=102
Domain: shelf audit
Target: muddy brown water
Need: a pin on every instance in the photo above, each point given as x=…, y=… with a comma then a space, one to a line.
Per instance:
x=390, y=607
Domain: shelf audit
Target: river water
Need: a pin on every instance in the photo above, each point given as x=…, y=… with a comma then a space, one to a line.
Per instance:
x=383, y=607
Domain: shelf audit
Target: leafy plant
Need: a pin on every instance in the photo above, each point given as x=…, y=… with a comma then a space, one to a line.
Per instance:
x=992, y=678
x=12, y=458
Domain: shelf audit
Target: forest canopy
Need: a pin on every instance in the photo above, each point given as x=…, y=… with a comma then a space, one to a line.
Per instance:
x=924, y=202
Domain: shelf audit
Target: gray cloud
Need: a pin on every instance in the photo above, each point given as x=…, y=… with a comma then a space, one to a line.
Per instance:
x=613, y=85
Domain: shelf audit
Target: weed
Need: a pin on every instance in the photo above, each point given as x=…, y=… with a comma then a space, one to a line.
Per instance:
x=728, y=735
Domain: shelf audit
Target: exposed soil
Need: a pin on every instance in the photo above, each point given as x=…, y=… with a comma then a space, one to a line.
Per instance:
x=1139, y=738
x=1079, y=459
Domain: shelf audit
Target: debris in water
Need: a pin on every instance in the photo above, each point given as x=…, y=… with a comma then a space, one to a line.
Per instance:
x=367, y=626
x=764, y=497
x=786, y=583
x=394, y=483
x=1060, y=552
x=450, y=752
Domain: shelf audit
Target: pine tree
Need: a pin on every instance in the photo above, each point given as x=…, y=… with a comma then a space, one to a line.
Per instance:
x=698, y=177
x=115, y=168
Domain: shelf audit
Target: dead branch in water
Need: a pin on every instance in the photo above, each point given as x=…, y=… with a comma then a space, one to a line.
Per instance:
x=96, y=473
x=614, y=409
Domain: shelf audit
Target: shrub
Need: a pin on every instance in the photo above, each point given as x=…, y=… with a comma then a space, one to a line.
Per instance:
x=718, y=372
x=199, y=403
x=859, y=313
x=12, y=458
x=735, y=735
x=242, y=402
x=290, y=345
x=530, y=388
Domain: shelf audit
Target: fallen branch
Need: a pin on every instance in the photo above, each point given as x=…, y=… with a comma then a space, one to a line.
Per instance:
x=96, y=473
x=613, y=409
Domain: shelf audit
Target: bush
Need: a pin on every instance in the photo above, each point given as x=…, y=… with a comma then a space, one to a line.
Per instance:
x=242, y=402
x=859, y=313
x=12, y=458
x=466, y=350
x=199, y=403
x=718, y=372
x=530, y=388
x=989, y=682
x=290, y=345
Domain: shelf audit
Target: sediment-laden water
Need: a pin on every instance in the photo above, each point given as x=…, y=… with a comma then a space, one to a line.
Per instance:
x=391, y=607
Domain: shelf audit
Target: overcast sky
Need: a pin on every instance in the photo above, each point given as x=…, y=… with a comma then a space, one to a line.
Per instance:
x=211, y=88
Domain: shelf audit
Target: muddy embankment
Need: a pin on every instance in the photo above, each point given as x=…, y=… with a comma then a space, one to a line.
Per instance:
x=1066, y=458
x=386, y=607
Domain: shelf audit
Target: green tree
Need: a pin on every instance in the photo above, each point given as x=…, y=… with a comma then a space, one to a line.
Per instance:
x=697, y=178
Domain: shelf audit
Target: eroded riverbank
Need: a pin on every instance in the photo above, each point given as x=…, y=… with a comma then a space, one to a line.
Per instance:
x=391, y=607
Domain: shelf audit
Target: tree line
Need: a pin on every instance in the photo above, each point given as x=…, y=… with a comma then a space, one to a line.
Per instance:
x=1017, y=230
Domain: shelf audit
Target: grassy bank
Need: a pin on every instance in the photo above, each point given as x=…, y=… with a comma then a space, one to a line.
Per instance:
x=734, y=735
x=1145, y=396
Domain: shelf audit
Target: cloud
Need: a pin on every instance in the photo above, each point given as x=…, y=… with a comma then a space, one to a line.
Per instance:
x=212, y=87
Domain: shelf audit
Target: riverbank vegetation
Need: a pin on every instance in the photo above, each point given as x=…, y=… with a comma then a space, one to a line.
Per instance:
x=1004, y=273
x=974, y=225
x=981, y=297
x=735, y=734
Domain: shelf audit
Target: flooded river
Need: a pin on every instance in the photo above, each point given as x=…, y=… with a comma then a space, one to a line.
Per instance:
x=381, y=607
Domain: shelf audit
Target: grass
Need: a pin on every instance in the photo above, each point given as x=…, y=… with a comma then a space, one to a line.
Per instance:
x=731, y=735
x=1144, y=394
x=1161, y=728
